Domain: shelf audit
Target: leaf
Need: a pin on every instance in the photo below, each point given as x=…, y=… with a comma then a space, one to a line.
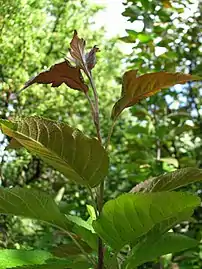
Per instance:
x=76, y=263
x=170, y=181
x=144, y=38
x=83, y=60
x=139, y=214
x=60, y=73
x=166, y=3
x=13, y=257
x=136, y=88
x=149, y=251
x=34, y=204
x=85, y=230
x=170, y=160
x=90, y=58
x=91, y=212
x=77, y=46
x=80, y=158
x=67, y=250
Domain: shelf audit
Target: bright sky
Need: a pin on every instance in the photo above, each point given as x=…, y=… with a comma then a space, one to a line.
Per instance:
x=111, y=18
x=113, y=21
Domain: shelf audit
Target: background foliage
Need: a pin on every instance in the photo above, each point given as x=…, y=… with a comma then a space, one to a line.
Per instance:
x=148, y=140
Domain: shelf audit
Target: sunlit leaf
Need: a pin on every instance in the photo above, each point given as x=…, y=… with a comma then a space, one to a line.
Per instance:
x=128, y=217
x=136, y=88
x=75, y=263
x=33, y=204
x=150, y=250
x=60, y=73
x=144, y=38
x=85, y=230
x=83, y=60
x=170, y=160
x=77, y=46
x=170, y=181
x=80, y=158
x=12, y=257
x=167, y=3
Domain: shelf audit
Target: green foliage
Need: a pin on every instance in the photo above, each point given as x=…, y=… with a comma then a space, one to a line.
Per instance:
x=148, y=210
x=151, y=139
x=150, y=250
x=170, y=181
x=57, y=264
x=32, y=204
x=79, y=158
x=10, y=258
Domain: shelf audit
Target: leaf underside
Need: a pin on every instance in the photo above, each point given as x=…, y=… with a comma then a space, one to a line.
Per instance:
x=136, y=88
x=34, y=204
x=170, y=181
x=139, y=213
x=150, y=250
x=60, y=73
x=80, y=158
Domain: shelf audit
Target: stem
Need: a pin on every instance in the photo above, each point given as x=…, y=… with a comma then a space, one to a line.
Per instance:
x=91, y=105
x=110, y=134
x=96, y=114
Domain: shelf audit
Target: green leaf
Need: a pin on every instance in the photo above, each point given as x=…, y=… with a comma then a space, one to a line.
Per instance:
x=144, y=38
x=85, y=230
x=136, y=88
x=91, y=212
x=150, y=250
x=13, y=257
x=76, y=263
x=80, y=158
x=170, y=181
x=139, y=214
x=170, y=160
x=32, y=204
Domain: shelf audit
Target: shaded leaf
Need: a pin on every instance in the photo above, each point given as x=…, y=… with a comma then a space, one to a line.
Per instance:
x=139, y=214
x=136, y=88
x=34, y=204
x=58, y=74
x=67, y=250
x=80, y=158
x=12, y=257
x=150, y=250
x=170, y=181
x=85, y=230
x=91, y=57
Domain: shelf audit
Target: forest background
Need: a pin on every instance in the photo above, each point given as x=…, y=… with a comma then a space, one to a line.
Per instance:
x=160, y=134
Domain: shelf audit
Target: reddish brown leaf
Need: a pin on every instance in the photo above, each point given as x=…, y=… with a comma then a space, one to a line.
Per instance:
x=86, y=61
x=77, y=46
x=91, y=57
x=58, y=74
x=136, y=88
